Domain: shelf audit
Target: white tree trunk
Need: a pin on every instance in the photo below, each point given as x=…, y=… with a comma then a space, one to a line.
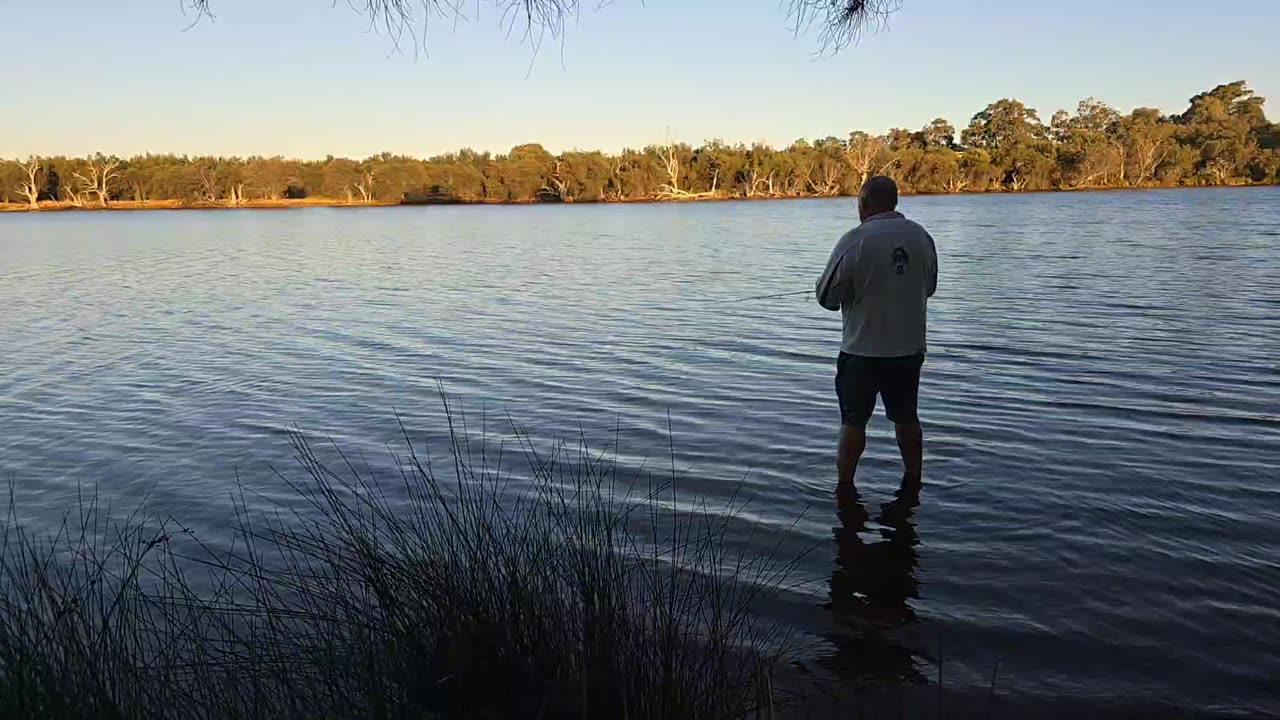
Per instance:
x=102, y=171
x=30, y=189
x=365, y=186
x=956, y=183
x=1150, y=155
x=72, y=196
x=209, y=184
x=558, y=185
x=860, y=153
x=672, y=162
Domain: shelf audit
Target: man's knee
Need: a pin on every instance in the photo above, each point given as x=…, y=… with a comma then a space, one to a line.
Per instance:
x=853, y=438
x=908, y=427
x=851, y=431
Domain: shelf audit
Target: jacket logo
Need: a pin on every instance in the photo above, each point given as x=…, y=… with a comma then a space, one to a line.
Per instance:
x=901, y=259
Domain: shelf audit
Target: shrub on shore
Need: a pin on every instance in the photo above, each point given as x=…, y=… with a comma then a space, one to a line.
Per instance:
x=446, y=592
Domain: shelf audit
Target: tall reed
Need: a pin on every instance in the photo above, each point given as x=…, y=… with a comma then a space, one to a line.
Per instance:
x=456, y=586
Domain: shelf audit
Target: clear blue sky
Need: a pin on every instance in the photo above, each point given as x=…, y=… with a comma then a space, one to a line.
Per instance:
x=303, y=78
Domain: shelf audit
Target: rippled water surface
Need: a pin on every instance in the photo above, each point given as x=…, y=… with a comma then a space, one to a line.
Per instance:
x=1101, y=399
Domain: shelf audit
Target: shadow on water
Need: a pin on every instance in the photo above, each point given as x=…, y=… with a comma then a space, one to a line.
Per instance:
x=871, y=589
x=878, y=655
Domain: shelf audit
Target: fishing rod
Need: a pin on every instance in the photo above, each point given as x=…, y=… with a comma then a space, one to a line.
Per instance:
x=762, y=297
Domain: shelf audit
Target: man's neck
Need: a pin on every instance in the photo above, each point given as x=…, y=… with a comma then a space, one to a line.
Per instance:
x=887, y=214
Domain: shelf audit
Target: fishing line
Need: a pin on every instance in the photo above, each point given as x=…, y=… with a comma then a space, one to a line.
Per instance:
x=761, y=297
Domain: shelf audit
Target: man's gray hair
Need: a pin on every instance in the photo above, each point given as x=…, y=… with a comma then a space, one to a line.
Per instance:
x=879, y=194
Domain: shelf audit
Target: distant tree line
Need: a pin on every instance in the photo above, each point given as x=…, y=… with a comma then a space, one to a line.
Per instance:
x=1223, y=138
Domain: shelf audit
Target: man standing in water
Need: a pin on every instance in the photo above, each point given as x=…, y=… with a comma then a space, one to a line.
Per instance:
x=880, y=276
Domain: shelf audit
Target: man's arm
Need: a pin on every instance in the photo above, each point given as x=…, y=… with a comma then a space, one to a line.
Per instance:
x=933, y=265
x=832, y=286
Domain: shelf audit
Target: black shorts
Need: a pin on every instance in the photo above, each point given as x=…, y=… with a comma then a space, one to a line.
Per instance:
x=895, y=379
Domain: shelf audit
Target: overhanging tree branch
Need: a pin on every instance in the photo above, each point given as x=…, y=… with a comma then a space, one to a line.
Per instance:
x=837, y=22
x=840, y=23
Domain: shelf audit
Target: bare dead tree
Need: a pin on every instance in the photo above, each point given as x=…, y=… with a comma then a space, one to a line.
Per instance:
x=30, y=188
x=556, y=185
x=838, y=22
x=208, y=177
x=670, y=156
x=1122, y=166
x=827, y=180
x=74, y=195
x=1221, y=168
x=795, y=182
x=957, y=181
x=1018, y=181
x=1099, y=162
x=365, y=186
x=271, y=177
x=751, y=183
x=614, y=189
x=98, y=175
x=862, y=153
x=1149, y=152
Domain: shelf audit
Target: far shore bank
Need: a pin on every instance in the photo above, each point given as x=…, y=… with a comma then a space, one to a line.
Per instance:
x=285, y=204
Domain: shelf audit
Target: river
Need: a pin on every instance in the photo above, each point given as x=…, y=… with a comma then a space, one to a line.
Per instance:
x=1101, y=398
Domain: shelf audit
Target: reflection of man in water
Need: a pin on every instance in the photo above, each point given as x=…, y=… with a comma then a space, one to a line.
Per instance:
x=880, y=276
x=871, y=586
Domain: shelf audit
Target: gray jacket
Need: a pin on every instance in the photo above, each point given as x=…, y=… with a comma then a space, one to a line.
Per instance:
x=881, y=276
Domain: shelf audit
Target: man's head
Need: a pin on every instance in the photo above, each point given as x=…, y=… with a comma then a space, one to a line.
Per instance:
x=879, y=195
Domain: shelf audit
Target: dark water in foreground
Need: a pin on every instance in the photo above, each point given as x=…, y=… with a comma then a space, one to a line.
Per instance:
x=1102, y=399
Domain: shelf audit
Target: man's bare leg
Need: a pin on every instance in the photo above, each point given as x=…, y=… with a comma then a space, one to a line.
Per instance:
x=911, y=445
x=853, y=440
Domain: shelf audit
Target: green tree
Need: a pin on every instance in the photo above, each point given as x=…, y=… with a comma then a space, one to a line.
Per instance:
x=1147, y=140
x=938, y=134
x=525, y=172
x=270, y=178
x=1017, y=141
x=1225, y=125
x=1089, y=152
x=338, y=178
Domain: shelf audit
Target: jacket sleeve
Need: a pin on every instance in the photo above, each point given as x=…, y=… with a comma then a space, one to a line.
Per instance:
x=833, y=285
x=933, y=265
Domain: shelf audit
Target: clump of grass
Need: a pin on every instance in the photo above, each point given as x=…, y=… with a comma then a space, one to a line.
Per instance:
x=448, y=590
x=75, y=626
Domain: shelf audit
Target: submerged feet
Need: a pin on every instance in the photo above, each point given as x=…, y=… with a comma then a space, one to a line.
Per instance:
x=907, y=495
x=850, y=509
x=908, y=492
